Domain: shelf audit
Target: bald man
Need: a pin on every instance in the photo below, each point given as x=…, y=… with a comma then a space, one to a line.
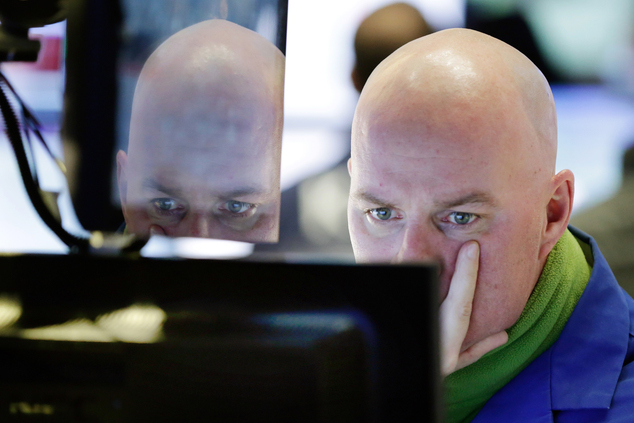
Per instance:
x=205, y=137
x=454, y=143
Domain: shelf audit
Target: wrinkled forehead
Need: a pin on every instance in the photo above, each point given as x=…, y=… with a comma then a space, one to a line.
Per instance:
x=402, y=150
x=437, y=153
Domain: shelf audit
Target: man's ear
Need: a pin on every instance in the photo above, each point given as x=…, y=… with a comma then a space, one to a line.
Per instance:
x=350, y=166
x=558, y=209
x=122, y=178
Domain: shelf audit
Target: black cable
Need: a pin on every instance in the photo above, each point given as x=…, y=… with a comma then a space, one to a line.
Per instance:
x=30, y=122
x=12, y=129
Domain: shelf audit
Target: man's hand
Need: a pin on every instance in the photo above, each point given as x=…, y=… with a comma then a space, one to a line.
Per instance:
x=455, y=314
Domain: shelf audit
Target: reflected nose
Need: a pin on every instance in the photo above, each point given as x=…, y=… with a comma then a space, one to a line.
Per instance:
x=199, y=226
x=419, y=244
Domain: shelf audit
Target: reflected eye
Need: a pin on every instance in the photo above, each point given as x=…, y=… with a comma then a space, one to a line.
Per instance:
x=165, y=210
x=238, y=206
x=165, y=204
x=382, y=213
x=460, y=218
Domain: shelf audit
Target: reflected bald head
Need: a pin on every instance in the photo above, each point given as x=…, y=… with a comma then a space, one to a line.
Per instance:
x=467, y=87
x=205, y=87
x=205, y=137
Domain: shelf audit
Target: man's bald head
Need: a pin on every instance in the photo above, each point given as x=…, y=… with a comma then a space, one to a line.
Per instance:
x=456, y=78
x=454, y=139
x=205, y=137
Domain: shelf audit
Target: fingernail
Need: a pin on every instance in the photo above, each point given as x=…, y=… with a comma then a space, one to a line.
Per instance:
x=472, y=250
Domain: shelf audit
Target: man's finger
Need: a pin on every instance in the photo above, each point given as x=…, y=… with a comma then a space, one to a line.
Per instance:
x=156, y=230
x=455, y=311
x=476, y=351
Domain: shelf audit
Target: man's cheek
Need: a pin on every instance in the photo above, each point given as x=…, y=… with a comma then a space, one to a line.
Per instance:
x=361, y=240
x=368, y=248
x=493, y=273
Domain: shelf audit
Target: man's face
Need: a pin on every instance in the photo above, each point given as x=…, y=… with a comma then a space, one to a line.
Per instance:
x=420, y=190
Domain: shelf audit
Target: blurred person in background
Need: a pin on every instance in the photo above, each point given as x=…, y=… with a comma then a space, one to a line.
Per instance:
x=381, y=33
x=611, y=224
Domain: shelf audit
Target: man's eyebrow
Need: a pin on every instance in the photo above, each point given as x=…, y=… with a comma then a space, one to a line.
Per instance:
x=243, y=191
x=156, y=185
x=473, y=198
x=371, y=198
x=175, y=192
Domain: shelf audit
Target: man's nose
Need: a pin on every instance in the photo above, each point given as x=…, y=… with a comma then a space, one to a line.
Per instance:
x=420, y=243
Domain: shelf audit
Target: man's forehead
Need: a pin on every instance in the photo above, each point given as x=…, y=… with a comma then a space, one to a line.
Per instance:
x=412, y=151
x=441, y=174
x=210, y=105
x=208, y=159
x=171, y=184
x=459, y=141
x=242, y=177
x=238, y=132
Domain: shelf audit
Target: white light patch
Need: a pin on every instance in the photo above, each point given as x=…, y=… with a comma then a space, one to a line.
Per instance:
x=82, y=330
x=199, y=248
x=137, y=323
x=10, y=311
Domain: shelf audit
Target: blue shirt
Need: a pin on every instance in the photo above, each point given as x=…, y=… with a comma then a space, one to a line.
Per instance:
x=587, y=375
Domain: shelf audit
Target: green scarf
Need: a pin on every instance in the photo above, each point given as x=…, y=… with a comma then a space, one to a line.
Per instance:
x=563, y=279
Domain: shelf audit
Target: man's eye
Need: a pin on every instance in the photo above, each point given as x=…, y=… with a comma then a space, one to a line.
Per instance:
x=382, y=213
x=165, y=204
x=238, y=206
x=460, y=218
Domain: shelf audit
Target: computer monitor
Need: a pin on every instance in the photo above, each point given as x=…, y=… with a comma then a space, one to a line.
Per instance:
x=235, y=341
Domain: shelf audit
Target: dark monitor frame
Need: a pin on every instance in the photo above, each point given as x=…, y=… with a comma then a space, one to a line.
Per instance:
x=400, y=302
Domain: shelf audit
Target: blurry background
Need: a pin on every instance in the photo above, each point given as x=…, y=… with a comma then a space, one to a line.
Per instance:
x=585, y=47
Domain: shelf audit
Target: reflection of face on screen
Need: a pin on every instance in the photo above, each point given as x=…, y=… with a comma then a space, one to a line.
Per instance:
x=205, y=137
